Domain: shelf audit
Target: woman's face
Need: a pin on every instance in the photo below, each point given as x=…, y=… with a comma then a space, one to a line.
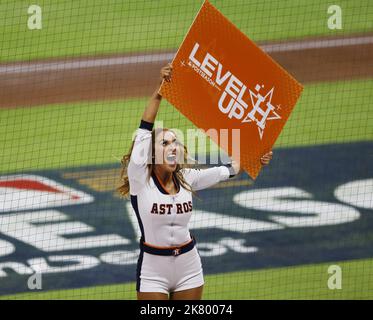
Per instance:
x=167, y=150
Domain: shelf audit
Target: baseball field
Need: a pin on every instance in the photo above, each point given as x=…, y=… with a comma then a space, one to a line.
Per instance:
x=72, y=95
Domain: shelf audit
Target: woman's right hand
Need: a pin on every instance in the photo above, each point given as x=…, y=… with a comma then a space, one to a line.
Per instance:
x=166, y=73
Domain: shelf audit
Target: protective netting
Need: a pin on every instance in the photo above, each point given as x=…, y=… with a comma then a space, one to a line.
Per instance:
x=75, y=77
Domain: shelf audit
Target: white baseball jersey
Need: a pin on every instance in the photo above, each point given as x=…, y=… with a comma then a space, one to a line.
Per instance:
x=163, y=218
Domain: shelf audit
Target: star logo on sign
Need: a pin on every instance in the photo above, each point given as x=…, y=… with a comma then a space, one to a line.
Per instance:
x=262, y=110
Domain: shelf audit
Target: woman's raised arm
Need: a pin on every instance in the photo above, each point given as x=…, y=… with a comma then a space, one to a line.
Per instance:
x=152, y=107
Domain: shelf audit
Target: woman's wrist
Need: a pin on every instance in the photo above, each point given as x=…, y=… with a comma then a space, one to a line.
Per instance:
x=156, y=94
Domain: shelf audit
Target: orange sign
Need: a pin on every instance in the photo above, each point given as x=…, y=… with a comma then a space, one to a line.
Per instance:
x=223, y=80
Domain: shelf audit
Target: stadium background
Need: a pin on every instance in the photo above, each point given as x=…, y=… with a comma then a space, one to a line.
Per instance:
x=72, y=94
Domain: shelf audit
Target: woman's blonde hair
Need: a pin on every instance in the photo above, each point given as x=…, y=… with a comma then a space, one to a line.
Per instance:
x=125, y=187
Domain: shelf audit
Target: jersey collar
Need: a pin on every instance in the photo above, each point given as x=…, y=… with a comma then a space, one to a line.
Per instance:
x=161, y=188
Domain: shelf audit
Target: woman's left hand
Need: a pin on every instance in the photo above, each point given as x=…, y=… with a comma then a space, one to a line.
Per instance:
x=266, y=158
x=236, y=167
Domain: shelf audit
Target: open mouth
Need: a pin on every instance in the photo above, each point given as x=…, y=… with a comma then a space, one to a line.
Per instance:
x=171, y=158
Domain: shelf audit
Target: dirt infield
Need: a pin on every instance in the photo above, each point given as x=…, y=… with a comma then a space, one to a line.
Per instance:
x=34, y=83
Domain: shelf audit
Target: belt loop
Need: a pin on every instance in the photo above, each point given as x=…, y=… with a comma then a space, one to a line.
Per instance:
x=193, y=238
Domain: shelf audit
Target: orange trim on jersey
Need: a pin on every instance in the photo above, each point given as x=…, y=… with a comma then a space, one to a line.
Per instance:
x=177, y=185
x=172, y=248
x=160, y=182
x=164, y=188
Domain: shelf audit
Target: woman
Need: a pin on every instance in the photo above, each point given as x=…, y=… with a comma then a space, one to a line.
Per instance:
x=169, y=266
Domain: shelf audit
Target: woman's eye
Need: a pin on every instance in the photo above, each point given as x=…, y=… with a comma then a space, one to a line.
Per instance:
x=164, y=143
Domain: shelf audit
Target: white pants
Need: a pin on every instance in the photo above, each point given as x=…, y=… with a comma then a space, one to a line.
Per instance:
x=169, y=273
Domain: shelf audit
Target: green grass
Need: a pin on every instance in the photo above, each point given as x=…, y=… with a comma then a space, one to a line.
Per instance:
x=80, y=27
x=89, y=133
x=300, y=282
